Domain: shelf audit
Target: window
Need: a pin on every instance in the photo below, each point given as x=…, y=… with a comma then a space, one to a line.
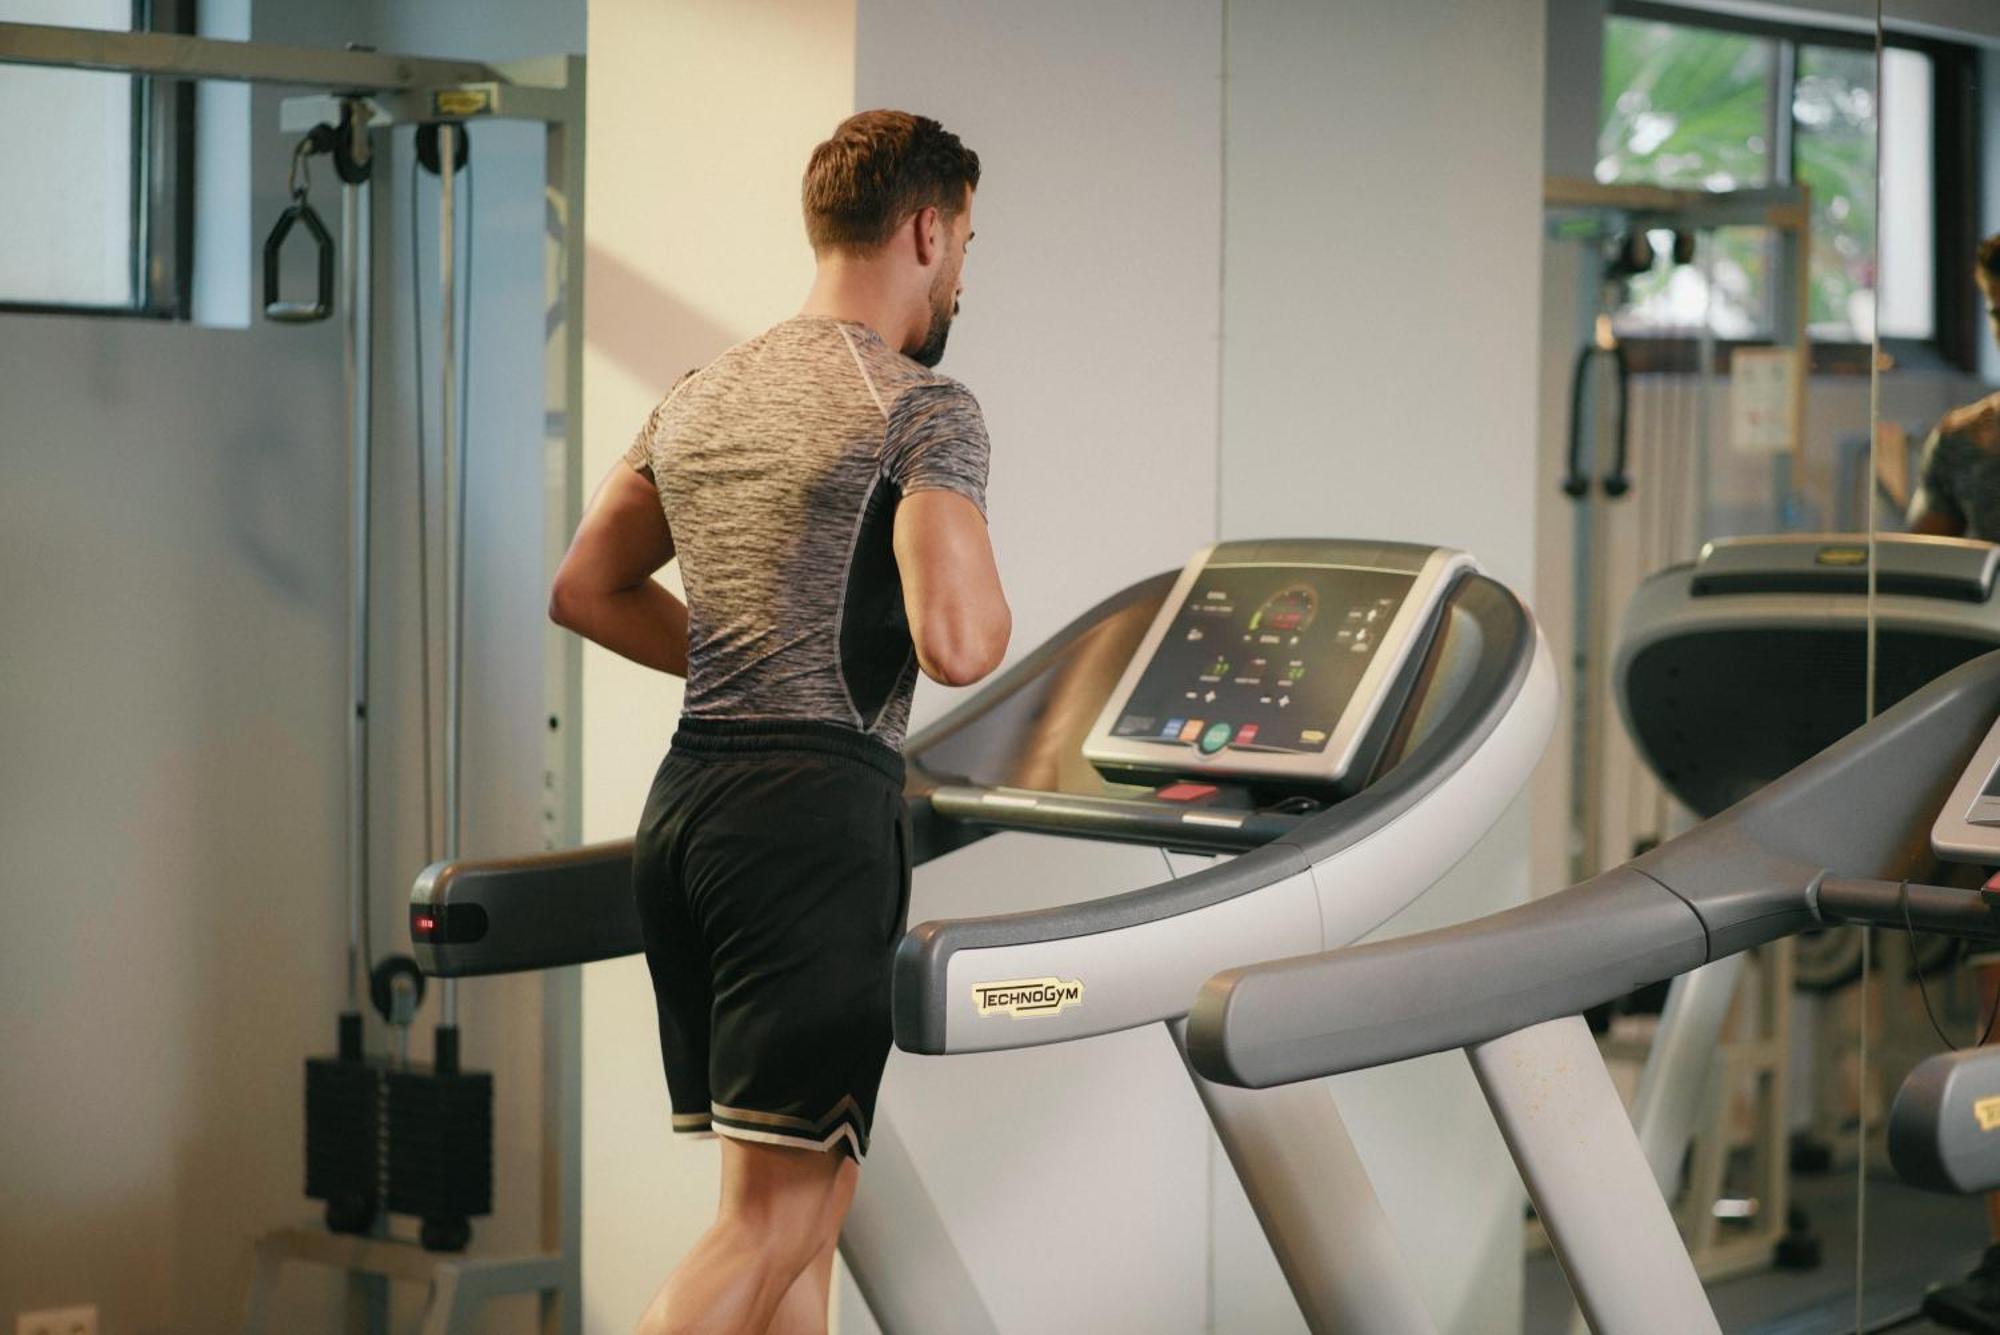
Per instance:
x=1699, y=102
x=95, y=213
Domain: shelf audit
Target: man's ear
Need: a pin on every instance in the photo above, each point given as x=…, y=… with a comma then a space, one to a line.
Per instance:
x=929, y=233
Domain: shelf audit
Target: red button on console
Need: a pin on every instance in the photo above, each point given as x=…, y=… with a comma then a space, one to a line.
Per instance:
x=1186, y=792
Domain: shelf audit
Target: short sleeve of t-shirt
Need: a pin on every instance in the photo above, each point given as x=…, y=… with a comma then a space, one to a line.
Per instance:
x=937, y=442
x=639, y=454
x=1940, y=475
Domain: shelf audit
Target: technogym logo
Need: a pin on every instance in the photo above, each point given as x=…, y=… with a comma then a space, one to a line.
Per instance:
x=1028, y=996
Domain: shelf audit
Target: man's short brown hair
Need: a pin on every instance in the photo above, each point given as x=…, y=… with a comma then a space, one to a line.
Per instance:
x=1989, y=259
x=878, y=169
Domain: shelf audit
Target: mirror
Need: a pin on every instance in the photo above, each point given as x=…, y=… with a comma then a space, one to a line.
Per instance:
x=1711, y=282
x=1930, y=451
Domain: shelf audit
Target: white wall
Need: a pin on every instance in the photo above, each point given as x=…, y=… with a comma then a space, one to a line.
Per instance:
x=1380, y=303
x=701, y=115
x=1090, y=318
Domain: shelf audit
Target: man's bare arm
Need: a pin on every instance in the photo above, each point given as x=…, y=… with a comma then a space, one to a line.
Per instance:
x=604, y=589
x=1936, y=523
x=951, y=588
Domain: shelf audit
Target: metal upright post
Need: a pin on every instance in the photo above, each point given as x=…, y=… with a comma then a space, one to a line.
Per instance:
x=454, y=517
x=1584, y=1168
x=561, y=1223
x=1319, y=1211
x=356, y=261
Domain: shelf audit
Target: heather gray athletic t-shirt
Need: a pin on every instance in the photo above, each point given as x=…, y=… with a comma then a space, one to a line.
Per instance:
x=779, y=466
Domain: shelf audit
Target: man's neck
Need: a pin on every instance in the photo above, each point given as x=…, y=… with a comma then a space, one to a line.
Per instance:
x=848, y=289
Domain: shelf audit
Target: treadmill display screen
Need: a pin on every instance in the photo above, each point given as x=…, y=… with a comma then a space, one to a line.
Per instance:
x=1262, y=658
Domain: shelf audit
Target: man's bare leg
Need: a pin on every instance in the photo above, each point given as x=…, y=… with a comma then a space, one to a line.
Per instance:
x=806, y=1305
x=772, y=1223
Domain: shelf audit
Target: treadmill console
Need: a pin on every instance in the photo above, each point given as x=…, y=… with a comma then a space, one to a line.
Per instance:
x=1968, y=828
x=1274, y=662
x=1906, y=565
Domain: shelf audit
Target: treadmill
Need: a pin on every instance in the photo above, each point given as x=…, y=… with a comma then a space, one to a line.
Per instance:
x=1736, y=668
x=1343, y=719
x=1827, y=843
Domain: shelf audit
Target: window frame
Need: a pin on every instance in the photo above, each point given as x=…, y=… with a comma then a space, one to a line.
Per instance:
x=162, y=188
x=1957, y=317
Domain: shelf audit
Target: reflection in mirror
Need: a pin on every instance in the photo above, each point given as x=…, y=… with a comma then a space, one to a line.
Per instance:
x=1712, y=296
x=1934, y=471
x=1767, y=362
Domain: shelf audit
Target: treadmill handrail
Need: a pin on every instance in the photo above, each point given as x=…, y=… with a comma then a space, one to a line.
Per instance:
x=1507, y=657
x=589, y=887
x=1737, y=880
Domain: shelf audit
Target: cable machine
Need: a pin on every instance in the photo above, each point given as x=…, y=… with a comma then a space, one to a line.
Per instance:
x=385, y=1134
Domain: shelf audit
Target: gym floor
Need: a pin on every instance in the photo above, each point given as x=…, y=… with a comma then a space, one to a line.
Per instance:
x=1915, y=1239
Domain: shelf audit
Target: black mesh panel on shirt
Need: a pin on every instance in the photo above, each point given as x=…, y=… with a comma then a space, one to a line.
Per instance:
x=875, y=643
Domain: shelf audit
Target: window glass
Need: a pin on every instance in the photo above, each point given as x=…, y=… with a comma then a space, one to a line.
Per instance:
x=1698, y=108
x=1833, y=110
x=68, y=139
x=1691, y=108
x=1684, y=106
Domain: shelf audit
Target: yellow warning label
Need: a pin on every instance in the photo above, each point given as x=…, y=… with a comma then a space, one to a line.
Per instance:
x=1987, y=1110
x=1028, y=996
x=458, y=102
x=1842, y=556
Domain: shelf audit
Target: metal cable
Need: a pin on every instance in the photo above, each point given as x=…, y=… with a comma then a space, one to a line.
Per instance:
x=423, y=516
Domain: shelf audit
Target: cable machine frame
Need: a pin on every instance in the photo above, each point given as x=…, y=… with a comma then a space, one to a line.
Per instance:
x=398, y=89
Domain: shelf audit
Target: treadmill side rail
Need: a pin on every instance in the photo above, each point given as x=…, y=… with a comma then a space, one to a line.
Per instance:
x=538, y=911
x=1345, y=1010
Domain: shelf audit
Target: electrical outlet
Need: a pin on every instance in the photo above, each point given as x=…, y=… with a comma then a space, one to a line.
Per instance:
x=58, y=1321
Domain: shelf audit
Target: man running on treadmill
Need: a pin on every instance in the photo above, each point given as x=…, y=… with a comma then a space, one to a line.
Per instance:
x=1958, y=480
x=824, y=491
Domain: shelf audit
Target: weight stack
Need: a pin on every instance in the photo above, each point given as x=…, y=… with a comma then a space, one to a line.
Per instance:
x=344, y=1139
x=440, y=1140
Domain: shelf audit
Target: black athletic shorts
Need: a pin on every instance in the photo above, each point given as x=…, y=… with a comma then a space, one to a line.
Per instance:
x=773, y=879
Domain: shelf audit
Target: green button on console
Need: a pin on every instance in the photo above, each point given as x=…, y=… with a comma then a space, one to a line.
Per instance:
x=1215, y=738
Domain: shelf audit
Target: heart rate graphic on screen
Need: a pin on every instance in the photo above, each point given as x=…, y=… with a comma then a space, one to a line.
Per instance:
x=1287, y=612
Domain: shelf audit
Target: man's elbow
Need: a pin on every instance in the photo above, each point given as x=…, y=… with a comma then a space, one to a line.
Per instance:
x=964, y=659
x=565, y=603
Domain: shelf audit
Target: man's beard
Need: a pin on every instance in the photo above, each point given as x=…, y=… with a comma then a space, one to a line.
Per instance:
x=932, y=351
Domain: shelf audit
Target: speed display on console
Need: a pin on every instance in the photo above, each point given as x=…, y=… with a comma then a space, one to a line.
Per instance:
x=1262, y=658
